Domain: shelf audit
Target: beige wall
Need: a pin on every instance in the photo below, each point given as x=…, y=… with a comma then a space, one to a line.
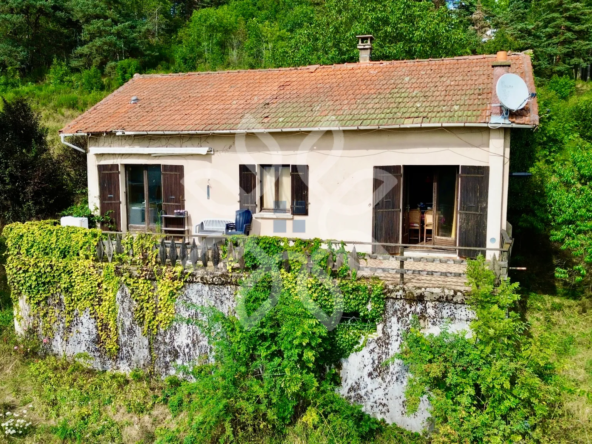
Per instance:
x=340, y=165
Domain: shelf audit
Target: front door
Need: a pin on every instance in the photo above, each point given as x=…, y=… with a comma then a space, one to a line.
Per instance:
x=386, y=214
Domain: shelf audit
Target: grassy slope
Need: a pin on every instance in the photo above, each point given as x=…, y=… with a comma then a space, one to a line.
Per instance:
x=58, y=105
x=568, y=326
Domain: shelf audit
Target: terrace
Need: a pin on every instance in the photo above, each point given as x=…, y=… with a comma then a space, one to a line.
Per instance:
x=431, y=269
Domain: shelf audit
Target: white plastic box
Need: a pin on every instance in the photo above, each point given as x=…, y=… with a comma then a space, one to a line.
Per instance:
x=71, y=221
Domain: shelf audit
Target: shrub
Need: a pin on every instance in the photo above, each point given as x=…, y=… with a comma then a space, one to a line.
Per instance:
x=58, y=73
x=563, y=86
x=31, y=183
x=278, y=366
x=497, y=384
x=91, y=80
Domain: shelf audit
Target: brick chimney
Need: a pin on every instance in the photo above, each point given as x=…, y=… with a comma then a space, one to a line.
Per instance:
x=501, y=66
x=365, y=47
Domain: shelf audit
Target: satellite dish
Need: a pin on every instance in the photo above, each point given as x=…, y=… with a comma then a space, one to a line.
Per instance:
x=512, y=92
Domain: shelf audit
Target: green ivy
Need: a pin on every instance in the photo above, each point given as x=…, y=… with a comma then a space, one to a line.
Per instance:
x=45, y=261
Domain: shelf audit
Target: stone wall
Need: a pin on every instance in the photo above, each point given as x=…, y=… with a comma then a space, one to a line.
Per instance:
x=181, y=344
x=365, y=380
x=381, y=389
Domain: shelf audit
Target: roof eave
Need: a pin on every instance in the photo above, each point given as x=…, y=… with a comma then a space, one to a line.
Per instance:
x=307, y=129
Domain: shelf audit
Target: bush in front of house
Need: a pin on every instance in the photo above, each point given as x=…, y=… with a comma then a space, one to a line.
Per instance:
x=496, y=384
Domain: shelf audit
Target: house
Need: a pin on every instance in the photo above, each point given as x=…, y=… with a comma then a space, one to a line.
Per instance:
x=344, y=152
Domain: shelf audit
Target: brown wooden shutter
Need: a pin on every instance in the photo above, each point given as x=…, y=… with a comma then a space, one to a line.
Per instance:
x=472, y=209
x=299, y=176
x=173, y=189
x=110, y=202
x=386, y=215
x=247, y=181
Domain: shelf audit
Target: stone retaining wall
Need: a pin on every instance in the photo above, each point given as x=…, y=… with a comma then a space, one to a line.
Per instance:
x=379, y=388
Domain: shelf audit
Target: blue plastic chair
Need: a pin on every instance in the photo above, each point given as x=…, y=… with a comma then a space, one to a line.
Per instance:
x=242, y=223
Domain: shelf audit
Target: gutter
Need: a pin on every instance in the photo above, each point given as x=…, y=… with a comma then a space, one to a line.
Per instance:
x=327, y=128
x=77, y=148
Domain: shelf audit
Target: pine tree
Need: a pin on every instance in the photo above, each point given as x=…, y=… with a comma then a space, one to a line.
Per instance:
x=558, y=32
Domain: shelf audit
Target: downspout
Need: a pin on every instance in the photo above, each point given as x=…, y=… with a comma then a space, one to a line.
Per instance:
x=77, y=148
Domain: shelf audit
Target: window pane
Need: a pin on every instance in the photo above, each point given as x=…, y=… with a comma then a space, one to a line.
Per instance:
x=135, y=189
x=279, y=201
x=446, y=201
x=285, y=190
x=268, y=187
x=154, y=193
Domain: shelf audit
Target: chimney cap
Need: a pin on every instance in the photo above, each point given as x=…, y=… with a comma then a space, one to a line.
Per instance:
x=501, y=56
x=365, y=41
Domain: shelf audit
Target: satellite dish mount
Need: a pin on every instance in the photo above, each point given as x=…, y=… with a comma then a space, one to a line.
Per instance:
x=513, y=95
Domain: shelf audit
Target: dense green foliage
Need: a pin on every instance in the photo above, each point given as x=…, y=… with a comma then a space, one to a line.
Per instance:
x=95, y=45
x=276, y=366
x=557, y=31
x=555, y=202
x=33, y=183
x=45, y=260
x=497, y=384
x=75, y=42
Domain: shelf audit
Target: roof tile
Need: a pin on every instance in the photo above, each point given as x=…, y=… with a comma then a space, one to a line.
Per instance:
x=456, y=90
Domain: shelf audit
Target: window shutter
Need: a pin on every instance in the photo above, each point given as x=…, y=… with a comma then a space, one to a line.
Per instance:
x=247, y=181
x=173, y=189
x=110, y=203
x=299, y=175
x=472, y=209
x=386, y=213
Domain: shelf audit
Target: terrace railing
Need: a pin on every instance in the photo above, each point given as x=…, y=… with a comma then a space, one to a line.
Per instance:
x=188, y=251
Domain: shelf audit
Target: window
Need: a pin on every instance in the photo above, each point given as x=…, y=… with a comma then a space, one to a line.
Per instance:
x=276, y=189
x=144, y=196
x=282, y=188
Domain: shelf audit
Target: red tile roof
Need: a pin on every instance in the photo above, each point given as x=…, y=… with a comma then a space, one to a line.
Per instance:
x=419, y=92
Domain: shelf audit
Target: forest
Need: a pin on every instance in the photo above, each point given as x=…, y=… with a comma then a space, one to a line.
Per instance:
x=60, y=57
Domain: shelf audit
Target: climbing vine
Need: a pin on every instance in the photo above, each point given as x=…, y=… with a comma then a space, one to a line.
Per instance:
x=56, y=270
x=312, y=282
x=300, y=310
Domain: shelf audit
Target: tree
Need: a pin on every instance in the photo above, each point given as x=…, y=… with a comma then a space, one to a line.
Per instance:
x=33, y=32
x=31, y=183
x=558, y=32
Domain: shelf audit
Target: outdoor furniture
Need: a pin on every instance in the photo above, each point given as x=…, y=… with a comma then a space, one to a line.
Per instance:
x=428, y=224
x=415, y=225
x=242, y=224
x=211, y=226
x=212, y=229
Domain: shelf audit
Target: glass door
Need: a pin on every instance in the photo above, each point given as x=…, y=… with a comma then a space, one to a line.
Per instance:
x=445, y=203
x=144, y=197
